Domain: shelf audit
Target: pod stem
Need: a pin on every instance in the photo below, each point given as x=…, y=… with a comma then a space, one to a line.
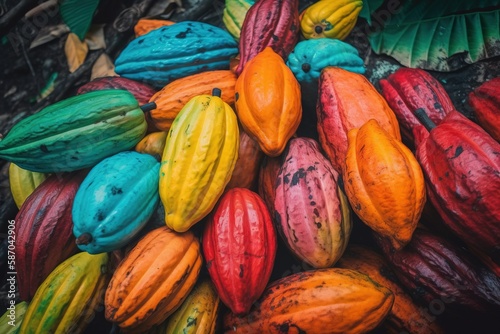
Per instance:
x=148, y=106
x=424, y=119
x=84, y=239
x=216, y=92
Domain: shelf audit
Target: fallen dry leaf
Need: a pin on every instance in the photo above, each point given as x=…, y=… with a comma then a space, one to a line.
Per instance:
x=44, y=7
x=48, y=34
x=103, y=67
x=76, y=52
x=95, y=37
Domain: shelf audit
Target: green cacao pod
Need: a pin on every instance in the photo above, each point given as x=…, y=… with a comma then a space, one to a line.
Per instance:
x=11, y=320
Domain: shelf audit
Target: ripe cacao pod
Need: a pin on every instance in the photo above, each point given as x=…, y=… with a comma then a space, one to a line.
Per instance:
x=329, y=300
x=239, y=245
x=431, y=268
x=405, y=315
x=347, y=100
x=485, y=102
x=44, y=237
x=75, y=133
x=67, y=300
x=153, y=280
x=115, y=201
x=268, y=175
x=234, y=14
x=153, y=144
x=461, y=165
x=143, y=26
x=176, y=51
x=269, y=23
x=268, y=101
x=11, y=320
x=174, y=96
x=199, y=158
x=197, y=314
x=384, y=183
x=409, y=89
x=23, y=182
x=246, y=170
x=312, y=212
x=331, y=19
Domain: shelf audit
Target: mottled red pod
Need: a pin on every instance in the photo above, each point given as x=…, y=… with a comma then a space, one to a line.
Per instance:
x=461, y=164
x=44, y=231
x=409, y=89
x=239, y=246
x=273, y=23
x=268, y=174
x=312, y=213
x=485, y=101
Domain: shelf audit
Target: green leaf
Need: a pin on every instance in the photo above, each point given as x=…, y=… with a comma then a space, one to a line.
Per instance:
x=369, y=6
x=78, y=14
x=441, y=35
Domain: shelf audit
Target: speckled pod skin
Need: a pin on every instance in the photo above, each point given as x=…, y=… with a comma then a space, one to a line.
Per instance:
x=115, y=201
x=176, y=51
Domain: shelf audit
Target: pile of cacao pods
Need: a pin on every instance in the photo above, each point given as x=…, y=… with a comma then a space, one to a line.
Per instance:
x=181, y=197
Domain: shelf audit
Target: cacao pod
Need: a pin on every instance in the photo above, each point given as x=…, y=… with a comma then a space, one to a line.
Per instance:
x=9, y=325
x=239, y=245
x=268, y=101
x=311, y=213
x=347, y=100
x=485, y=102
x=23, y=182
x=384, y=183
x=278, y=29
x=268, y=175
x=234, y=14
x=143, y=26
x=319, y=301
x=44, y=237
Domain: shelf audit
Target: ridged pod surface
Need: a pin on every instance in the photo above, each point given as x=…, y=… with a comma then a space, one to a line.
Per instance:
x=143, y=26
x=176, y=51
x=319, y=301
x=44, y=237
x=115, y=201
x=199, y=158
x=405, y=315
x=409, y=89
x=485, y=102
x=269, y=23
x=197, y=314
x=432, y=268
x=153, y=144
x=68, y=299
x=384, y=183
x=311, y=56
x=23, y=182
x=239, y=245
x=174, y=96
x=311, y=213
x=153, y=280
x=462, y=170
x=13, y=316
x=268, y=175
x=268, y=101
x=347, y=100
x=234, y=14
x=75, y=133
x=246, y=170
x=331, y=19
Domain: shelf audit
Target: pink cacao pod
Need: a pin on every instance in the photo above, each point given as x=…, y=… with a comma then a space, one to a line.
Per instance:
x=239, y=246
x=312, y=213
x=44, y=231
x=269, y=23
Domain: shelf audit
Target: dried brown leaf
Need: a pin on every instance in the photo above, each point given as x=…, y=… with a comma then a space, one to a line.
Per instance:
x=95, y=37
x=48, y=34
x=103, y=67
x=76, y=52
x=43, y=7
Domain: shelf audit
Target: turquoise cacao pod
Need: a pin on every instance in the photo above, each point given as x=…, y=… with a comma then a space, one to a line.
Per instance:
x=75, y=133
x=115, y=201
x=176, y=51
x=310, y=56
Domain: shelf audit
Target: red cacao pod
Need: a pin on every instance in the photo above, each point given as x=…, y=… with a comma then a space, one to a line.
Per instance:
x=269, y=23
x=239, y=246
x=44, y=231
x=311, y=213
x=141, y=91
x=268, y=174
x=461, y=165
x=409, y=89
x=485, y=101
x=431, y=268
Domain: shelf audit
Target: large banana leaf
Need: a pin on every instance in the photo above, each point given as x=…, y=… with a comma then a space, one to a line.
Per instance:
x=78, y=14
x=439, y=35
x=368, y=8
